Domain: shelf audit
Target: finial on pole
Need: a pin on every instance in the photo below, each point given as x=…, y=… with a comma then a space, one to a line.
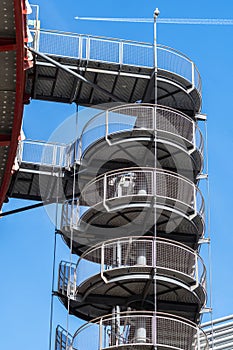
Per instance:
x=156, y=12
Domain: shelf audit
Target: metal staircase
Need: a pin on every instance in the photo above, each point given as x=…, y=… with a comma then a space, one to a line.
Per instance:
x=135, y=214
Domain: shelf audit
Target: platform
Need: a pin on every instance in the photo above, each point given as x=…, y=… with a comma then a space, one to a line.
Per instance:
x=124, y=69
x=123, y=270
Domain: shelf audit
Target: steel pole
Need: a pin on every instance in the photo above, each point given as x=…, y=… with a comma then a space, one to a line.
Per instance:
x=156, y=14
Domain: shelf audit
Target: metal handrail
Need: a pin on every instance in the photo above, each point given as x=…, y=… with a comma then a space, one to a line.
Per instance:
x=123, y=52
x=42, y=153
x=63, y=339
x=134, y=327
x=134, y=252
x=109, y=186
x=67, y=278
x=174, y=126
x=138, y=251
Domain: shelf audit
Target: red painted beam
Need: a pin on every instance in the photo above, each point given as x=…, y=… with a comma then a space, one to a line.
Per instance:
x=20, y=25
x=5, y=140
x=7, y=44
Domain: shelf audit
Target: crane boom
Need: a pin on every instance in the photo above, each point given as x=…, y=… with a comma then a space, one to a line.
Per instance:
x=195, y=21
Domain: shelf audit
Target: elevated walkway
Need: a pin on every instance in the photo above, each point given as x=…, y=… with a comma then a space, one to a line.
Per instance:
x=42, y=172
x=110, y=70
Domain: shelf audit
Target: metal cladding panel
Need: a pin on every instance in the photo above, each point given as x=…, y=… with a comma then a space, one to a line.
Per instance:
x=3, y=156
x=219, y=333
x=8, y=70
x=7, y=23
x=7, y=107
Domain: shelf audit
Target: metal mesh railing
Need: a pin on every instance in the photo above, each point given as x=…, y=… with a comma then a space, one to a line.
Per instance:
x=136, y=329
x=116, y=51
x=63, y=339
x=138, y=252
x=170, y=124
x=138, y=184
x=42, y=153
x=67, y=278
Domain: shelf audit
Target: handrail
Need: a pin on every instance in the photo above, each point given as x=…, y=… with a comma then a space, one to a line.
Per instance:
x=42, y=153
x=132, y=252
x=118, y=54
x=134, y=327
x=140, y=182
x=174, y=126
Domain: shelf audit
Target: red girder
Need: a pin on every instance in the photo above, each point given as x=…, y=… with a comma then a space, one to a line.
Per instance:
x=5, y=140
x=20, y=25
x=7, y=44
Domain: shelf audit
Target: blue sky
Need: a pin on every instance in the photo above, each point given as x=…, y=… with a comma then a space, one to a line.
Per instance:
x=27, y=239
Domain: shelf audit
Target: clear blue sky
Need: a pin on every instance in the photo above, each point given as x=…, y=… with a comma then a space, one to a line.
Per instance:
x=27, y=239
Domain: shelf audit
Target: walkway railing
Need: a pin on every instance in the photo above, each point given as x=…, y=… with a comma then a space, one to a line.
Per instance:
x=132, y=183
x=134, y=329
x=115, y=51
x=42, y=153
x=63, y=339
x=134, y=252
x=171, y=125
x=66, y=278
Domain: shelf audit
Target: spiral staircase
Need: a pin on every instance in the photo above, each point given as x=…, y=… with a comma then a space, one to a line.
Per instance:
x=134, y=215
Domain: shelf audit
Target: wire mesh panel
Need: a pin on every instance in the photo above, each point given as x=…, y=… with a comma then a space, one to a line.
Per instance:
x=119, y=52
x=59, y=44
x=137, y=55
x=177, y=334
x=63, y=339
x=67, y=278
x=129, y=183
x=175, y=188
x=171, y=189
x=130, y=117
x=136, y=329
x=103, y=50
x=42, y=153
x=138, y=252
x=174, y=123
x=172, y=126
x=175, y=62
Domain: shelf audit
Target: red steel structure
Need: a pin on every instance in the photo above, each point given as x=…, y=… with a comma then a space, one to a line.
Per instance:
x=13, y=62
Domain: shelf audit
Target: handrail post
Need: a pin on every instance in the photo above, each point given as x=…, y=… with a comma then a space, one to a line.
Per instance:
x=88, y=41
x=106, y=125
x=80, y=47
x=100, y=334
x=195, y=199
x=105, y=192
x=54, y=155
x=121, y=52
x=102, y=260
x=198, y=339
x=196, y=269
x=194, y=136
x=20, y=152
x=193, y=75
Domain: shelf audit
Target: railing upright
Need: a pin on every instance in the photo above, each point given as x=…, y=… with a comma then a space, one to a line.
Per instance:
x=121, y=52
x=88, y=48
x=80, y=47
